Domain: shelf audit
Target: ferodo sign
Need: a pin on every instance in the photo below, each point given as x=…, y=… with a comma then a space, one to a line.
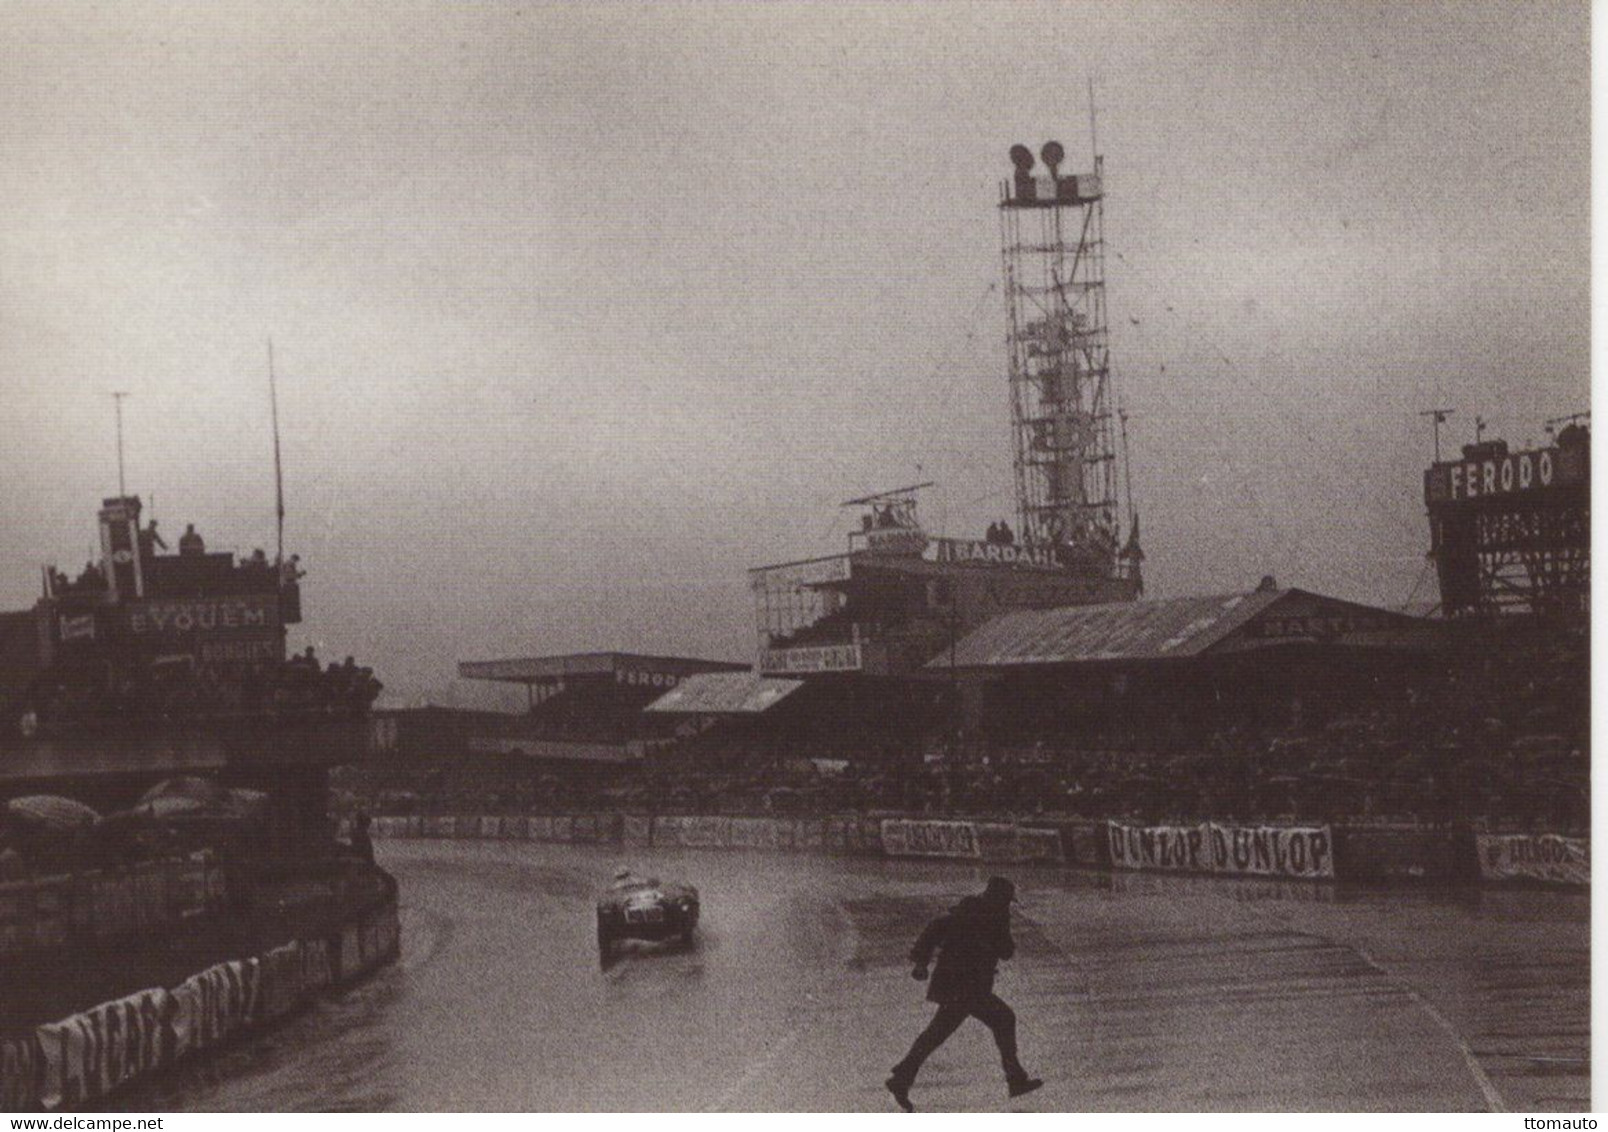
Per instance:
x=902, y=837
x=203, y=615
x=1543, y=856
x=645, y=678
x=1511, y=473
x=1278, y=851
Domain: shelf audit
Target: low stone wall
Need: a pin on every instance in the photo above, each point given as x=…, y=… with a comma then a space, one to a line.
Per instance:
x=69, y=1063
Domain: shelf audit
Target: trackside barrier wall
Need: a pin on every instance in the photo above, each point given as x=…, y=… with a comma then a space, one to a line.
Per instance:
x=1084, y=843
x=1392, y=853
x=97, y=907
x=853, y=836
x=1541, y=857
x=67, y=1064
x=1270, y=851
x=846, y=835
x=1319, y=852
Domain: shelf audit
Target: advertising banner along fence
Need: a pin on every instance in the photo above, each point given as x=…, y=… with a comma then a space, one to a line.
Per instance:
x=902, y=837
x=1264, y=850
x=1535, y=856
x=71, y=1062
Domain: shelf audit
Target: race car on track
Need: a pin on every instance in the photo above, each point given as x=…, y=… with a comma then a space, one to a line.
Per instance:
x=634, y=908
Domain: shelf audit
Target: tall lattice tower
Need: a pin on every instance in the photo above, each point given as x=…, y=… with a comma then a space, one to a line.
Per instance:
x=1062, y=409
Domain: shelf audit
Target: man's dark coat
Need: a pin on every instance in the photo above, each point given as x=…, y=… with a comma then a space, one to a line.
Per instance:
x=970, y=939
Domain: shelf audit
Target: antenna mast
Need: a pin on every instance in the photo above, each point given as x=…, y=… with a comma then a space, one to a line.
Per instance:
x=117, y=399
x=279, y=479
x=1094, y=138
x=1127, y=462
x=1439, y=416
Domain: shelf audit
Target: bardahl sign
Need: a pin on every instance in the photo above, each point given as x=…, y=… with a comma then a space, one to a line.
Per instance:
x=973, y=552
x=1508, y=474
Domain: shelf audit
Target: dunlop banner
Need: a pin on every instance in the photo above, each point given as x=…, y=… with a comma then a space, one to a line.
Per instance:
x=1278, y=851
x=1175, y=848
x=903, y=837
x=1273, y=851
x=1535, y=856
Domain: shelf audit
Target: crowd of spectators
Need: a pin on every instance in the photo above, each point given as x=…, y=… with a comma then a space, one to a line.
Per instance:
x=1497, y=739
x=69, y=696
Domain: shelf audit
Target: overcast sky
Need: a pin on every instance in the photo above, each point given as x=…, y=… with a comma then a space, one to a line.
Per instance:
x=579, y=311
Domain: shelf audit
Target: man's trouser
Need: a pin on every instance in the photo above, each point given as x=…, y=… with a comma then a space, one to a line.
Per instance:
x=990, y=1010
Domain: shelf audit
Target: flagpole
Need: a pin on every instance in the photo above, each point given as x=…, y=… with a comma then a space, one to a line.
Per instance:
x=279, y=480
x=117, y=399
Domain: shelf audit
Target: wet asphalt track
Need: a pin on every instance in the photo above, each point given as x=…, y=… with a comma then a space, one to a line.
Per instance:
x=1133, y=993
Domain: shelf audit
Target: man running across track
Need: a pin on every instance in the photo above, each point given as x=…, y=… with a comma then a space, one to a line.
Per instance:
x=970, y=939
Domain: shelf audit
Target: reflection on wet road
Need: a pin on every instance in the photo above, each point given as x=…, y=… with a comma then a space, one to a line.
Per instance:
x=1134, y=993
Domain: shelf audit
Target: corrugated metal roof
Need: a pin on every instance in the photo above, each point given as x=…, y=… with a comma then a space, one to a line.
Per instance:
x=1127, y=630
x=725, y=693
x=522, y=670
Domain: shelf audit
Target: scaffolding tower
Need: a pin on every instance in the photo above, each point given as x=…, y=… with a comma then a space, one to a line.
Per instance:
x=1062, y=411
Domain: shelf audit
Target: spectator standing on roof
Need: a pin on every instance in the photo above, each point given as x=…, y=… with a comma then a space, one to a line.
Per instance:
x=150, y=540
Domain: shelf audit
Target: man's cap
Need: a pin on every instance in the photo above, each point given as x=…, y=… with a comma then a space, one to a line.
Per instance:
x=1000, y=889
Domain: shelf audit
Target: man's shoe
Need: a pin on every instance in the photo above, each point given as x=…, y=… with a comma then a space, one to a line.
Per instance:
x=1024, y=1085
x=901, y=1093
